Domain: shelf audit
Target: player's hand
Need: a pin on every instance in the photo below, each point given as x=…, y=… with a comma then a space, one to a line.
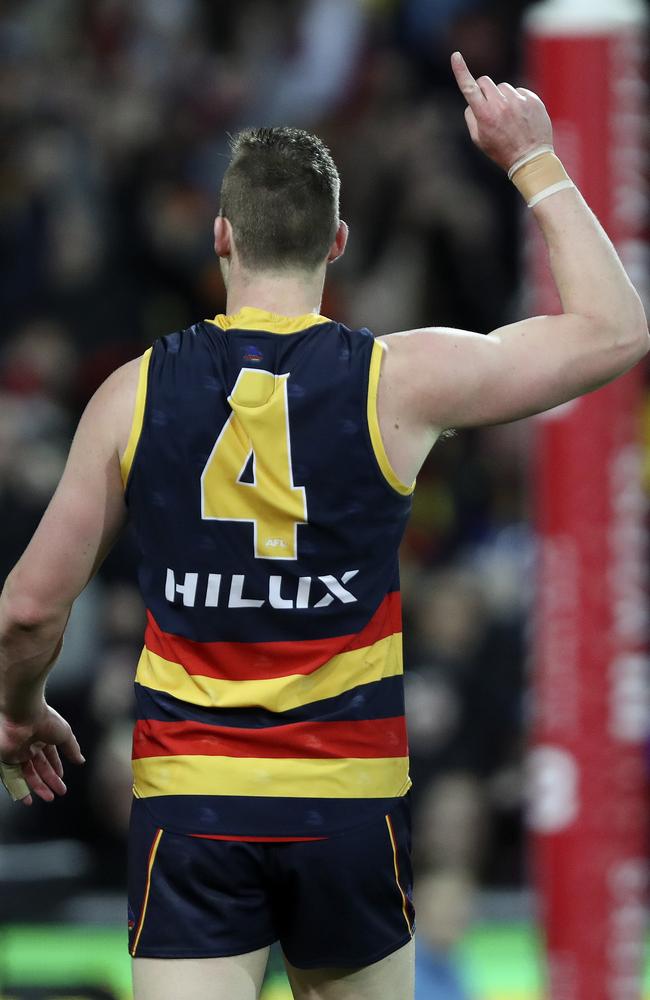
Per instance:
x=29, y=755
x=503, y=121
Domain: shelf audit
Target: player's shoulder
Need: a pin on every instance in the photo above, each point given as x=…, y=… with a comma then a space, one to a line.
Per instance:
x=418, y=365
x=110, y=413
x=402, y=351
x=190, y=336
x=131, y=378
x=119, y=389
x=435, y=347
x=405, y=340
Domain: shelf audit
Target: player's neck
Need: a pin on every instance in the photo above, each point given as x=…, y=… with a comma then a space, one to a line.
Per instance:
x=285, y=293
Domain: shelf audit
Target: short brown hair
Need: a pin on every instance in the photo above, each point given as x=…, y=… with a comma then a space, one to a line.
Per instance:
x=281, y=197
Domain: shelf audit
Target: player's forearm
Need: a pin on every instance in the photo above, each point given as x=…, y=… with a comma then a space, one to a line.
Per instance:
x=29, y=645
x=512, y=127
x=590, y=277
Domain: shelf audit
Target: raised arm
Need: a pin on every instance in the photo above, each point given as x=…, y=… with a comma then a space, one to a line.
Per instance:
x=440, y=378
x=76, y=532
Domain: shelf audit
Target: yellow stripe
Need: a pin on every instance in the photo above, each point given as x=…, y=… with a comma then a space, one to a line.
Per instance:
x=390, y=475
x=138, y=417
x=250, y=318
x=327, y=778
x=145, y=902
x=279, y=694
x=396, y=867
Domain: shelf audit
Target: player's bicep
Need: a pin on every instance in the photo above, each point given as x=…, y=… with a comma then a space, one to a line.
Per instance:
x=85, y=514
x=461, y=379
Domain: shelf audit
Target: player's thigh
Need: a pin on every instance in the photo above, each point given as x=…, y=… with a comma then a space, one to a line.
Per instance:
x=392, y=978
x=237, y=978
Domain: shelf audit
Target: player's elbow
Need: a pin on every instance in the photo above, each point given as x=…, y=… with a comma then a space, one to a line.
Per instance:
x=634, y=329
x=628, y=338
x=641, y=334
x=21, y=610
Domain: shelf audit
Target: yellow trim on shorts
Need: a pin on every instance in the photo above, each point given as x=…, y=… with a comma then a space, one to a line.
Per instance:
x=145, y=901
x=251, y=318
x=272, y=777
x=383, y=461
x=396, y=867
x=138, y=417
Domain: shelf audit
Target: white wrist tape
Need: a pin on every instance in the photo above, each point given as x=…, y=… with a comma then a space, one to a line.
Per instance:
x=523, y=160
x=538, y=175
x=553, y=189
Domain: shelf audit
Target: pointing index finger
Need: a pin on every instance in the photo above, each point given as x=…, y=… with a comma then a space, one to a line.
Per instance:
x=468, y=86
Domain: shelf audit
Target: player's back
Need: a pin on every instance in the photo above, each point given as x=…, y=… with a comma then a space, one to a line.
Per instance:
x=269, y=691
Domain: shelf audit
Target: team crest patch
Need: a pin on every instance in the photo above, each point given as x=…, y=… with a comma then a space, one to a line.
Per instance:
x=253, y=354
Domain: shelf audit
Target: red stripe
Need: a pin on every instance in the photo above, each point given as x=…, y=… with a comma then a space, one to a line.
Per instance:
x=373, y=738
x=255, y=840
x=242, y=661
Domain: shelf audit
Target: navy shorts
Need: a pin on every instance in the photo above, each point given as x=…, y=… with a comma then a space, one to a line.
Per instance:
x=342, y=902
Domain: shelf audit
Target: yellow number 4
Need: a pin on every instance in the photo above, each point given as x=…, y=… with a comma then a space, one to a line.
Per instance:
x=258, y=428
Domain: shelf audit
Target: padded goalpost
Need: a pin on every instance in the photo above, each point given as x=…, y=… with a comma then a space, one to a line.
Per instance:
x=588, y=773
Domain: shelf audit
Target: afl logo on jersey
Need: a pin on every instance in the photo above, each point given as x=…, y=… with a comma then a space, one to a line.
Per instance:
x=252, y=353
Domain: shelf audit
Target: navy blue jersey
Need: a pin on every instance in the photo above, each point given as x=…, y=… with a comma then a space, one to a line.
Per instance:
x=268, y=518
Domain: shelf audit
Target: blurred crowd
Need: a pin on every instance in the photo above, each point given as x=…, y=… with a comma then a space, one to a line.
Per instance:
x=115, y=119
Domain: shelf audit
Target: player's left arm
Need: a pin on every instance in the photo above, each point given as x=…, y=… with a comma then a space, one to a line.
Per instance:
x=76, y=532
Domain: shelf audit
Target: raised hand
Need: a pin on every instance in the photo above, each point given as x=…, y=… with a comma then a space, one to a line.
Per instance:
x=29, y=755
x=504, y=122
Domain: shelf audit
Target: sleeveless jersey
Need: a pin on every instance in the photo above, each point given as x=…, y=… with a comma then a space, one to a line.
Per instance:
x=269, y=691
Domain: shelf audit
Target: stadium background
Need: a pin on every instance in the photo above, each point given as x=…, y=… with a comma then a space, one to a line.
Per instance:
x=114, y=117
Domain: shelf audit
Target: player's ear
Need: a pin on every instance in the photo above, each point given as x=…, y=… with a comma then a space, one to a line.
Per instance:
x=337, y=248
x=222, y=237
